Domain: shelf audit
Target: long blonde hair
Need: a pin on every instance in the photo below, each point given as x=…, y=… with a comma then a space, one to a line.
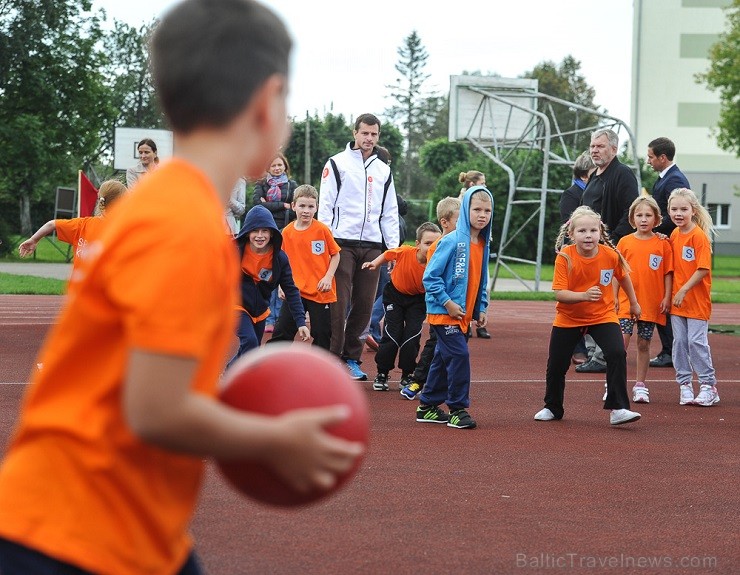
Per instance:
x=568, y=227
x=701, y=216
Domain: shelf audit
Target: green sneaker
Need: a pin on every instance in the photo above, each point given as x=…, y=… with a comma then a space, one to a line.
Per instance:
x=461, y=419
x=430, y=414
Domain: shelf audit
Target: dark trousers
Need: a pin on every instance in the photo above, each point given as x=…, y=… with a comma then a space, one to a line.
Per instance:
x=665, y=332
x=320, y=314
x=249, y=334
x=17, y=559
x=563, y=340
x=449, y=374
x=427, y=354
x=356, y=293
x=404, y=318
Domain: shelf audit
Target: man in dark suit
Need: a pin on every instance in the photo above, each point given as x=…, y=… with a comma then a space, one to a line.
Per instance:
x=660, y=157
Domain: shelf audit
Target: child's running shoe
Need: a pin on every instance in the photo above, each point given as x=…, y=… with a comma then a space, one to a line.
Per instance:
x=544, y=414
x=354, y=370
x=707, y=396
x=406, y=379
x=687, y=394
x=381, y=382
x=620, y=416
x=640, y=394
x=460, y=419
x=411, y=390
x=430, y=414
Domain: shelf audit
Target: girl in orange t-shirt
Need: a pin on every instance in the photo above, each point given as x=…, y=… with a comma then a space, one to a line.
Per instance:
x=692, y=302
x=78, y=232
x=651, y=259
x=583, y=289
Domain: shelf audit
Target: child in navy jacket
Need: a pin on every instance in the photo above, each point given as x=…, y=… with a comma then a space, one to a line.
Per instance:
x=264, y=267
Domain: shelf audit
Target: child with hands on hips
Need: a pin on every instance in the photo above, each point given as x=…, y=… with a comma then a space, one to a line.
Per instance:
x=582, y=283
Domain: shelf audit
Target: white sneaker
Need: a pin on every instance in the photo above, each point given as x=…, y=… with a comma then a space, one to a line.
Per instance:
x=687, y=394
x=544, y=414
x=620, y=416
x=640, y=394
x=605, y=393
x=707, y=396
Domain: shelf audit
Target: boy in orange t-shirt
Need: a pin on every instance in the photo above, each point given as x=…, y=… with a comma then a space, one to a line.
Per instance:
x=314, y=256
x=103, y=471
x=582, y=283
x=405, y=309
x=651, y=260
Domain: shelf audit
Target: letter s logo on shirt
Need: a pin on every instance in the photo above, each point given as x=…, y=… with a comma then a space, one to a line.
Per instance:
x=318, y=247
x=688, y=254
x=606, y=277
x=265, y=274
x=655, y=261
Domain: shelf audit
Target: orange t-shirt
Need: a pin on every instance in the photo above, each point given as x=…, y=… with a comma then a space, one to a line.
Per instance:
x=79, y=232
x=474, y=270
x=309, y=252
x=76, y=483
x=585, y=273
x=650, y=261
x=259, y=268
x=692, y=252
x=408, y=271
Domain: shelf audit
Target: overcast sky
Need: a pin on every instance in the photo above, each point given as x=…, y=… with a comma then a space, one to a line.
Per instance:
x=345, y=53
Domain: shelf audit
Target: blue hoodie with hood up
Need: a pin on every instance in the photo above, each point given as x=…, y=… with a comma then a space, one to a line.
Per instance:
x=256, y=295
x=446, y=275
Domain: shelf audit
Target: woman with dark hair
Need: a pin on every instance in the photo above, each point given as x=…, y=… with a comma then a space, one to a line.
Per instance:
x=148, y=160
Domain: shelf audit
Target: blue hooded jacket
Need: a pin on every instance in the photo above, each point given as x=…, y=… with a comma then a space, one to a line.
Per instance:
x=446, y=275
x=256, y=295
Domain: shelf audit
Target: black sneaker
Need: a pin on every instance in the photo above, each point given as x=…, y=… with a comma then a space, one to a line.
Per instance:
x=461, y=419
x=406, y=379
x=430, y=414
x=591, y=366
x=381, y=382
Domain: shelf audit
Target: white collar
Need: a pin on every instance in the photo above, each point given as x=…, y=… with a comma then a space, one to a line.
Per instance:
x=663, y=173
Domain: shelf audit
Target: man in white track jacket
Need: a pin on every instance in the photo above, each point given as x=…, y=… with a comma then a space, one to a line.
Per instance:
x=357, y=200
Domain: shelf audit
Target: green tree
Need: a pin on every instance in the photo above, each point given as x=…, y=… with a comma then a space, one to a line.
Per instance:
x=417, y=111
x=53, y=100
x=723, y=76
x=128, y=76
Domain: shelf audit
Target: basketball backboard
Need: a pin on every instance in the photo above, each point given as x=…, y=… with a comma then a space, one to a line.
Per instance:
x=475, y=112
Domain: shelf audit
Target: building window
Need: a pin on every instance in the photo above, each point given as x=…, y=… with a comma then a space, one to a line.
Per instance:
x=720, y=215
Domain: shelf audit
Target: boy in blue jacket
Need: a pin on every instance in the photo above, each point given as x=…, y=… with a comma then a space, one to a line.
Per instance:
x=455, y=281
x=264, y=267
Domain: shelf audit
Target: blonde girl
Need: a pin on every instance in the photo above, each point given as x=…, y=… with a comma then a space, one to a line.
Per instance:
x=651, y=261
x=582, y=283
x=469, y=179
x=78, y=232
x=691, y=299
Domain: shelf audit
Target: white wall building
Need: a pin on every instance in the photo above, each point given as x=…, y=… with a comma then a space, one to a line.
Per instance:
x=671, y=42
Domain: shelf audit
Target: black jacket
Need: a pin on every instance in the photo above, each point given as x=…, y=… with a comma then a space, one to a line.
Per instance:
x=280, y=214
x=610, y=194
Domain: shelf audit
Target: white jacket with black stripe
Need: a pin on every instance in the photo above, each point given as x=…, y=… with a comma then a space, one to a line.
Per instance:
x=357, y=200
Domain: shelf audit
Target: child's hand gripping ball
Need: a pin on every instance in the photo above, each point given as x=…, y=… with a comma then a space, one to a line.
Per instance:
x=279, y=378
